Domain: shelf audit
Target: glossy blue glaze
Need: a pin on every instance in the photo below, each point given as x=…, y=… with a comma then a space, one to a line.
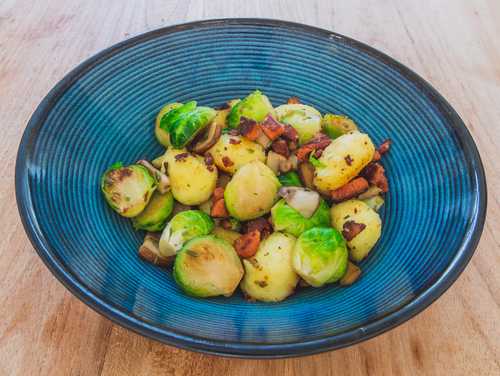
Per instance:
x=104, y=111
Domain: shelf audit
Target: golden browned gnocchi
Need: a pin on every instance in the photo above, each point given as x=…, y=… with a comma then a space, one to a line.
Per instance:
x=359, y=224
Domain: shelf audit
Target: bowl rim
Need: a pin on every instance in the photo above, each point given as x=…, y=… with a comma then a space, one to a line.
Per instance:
x=234, y=348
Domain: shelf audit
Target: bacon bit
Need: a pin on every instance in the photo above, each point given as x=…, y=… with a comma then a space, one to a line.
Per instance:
x=181, y=156
x=290, y=133
x=218, y=209
x=279, y=146
x=272, y=128
x=351, y=229
x=293, y=100
x=249, y=128
x=292, y=146
x=348, y=160
x=319, y=142
x=384, y=147
x=376, y=156
x=246, y=245
x=260, y=224
x=349, y=190
x=375, y=174
x=227, y=162
x=318, y=153
x=218, y=193
x=234, y=141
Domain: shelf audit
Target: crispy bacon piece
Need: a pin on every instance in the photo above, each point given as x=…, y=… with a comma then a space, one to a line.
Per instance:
x=376, y=156
x=272, y=128
x=351, y=229
x=219, y=209
x=250, y=129
x=319, y=142
x=280, y=146
x=260, y=224
x=375, y=174
x=218, y=193
x=246, y=245
x=350, y=190
x=293, y=100
x=385, y=146
x=290, y=133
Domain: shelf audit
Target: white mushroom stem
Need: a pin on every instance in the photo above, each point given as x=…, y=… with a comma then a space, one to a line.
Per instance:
x=301, y=199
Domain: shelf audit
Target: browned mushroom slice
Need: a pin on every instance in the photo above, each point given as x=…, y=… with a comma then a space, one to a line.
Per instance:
x=208, y=138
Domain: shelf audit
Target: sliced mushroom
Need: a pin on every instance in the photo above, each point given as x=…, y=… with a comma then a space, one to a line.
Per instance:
x=306, y=173
x=372, y=191
x=150, y=251
x=304, y=200
x=161, y=177
x=351, y=275
x=208, y=138
x=274, y=161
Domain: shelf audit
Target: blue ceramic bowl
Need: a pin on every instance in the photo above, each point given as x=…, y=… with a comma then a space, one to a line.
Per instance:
x=103, y=111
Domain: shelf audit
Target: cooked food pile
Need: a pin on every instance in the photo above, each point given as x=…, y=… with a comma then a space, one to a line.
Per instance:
x=248, y=195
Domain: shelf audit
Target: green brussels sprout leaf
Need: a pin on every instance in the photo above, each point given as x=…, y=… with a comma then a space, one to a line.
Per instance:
x=290, y=221
x=290, y=179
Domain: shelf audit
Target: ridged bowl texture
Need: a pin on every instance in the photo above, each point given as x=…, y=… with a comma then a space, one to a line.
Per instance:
x=104, y=112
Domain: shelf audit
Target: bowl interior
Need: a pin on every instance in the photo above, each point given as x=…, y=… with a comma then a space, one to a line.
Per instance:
x=104, y=112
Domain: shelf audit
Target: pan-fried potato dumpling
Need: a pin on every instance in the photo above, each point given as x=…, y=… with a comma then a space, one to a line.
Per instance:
x=252, y=191
x=305, y=119
x=343, y=160
x=208, y=266
x=191, y=180
x=357, y=212
x=269, y=275
x=232, y=152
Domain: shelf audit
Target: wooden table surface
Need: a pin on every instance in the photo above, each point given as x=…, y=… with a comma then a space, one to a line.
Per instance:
x=44, y=330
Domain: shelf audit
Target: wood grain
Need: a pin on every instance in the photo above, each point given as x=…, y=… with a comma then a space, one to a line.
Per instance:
x=46, y=331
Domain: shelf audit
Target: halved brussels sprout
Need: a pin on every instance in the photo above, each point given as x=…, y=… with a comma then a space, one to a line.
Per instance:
x=360, y=225
x=232, y=152
x=228, y=235
x=208, y=266
x=184, y=126
x=337, y=125
x=269, y=275
x=290, y=179
x=191, y=180
x=127, y=189
x=305, y=119
x=320, y=256
x=251, y=192
x=182, y=227
x=162, y=134
x=154, y=217
x=255, y=106
x=343, y=159
x=289, y=220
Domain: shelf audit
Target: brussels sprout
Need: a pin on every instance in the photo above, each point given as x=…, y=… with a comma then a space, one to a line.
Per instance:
x=183, y=227
x=290, y=221
x=251, y=192
x=305, y=119
x=360, y=225
x=290, y=179
x=374, y=202
x=232, y=152
x=320, y=256
x=162, y=134
x=256, y=107
x=191, y=180
x=154, y=217
x=207, y=266
x=184, y=127
x=269, y=275
x=228, y=235
x=127, y=189
x=343, y=160
x=337, y=125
